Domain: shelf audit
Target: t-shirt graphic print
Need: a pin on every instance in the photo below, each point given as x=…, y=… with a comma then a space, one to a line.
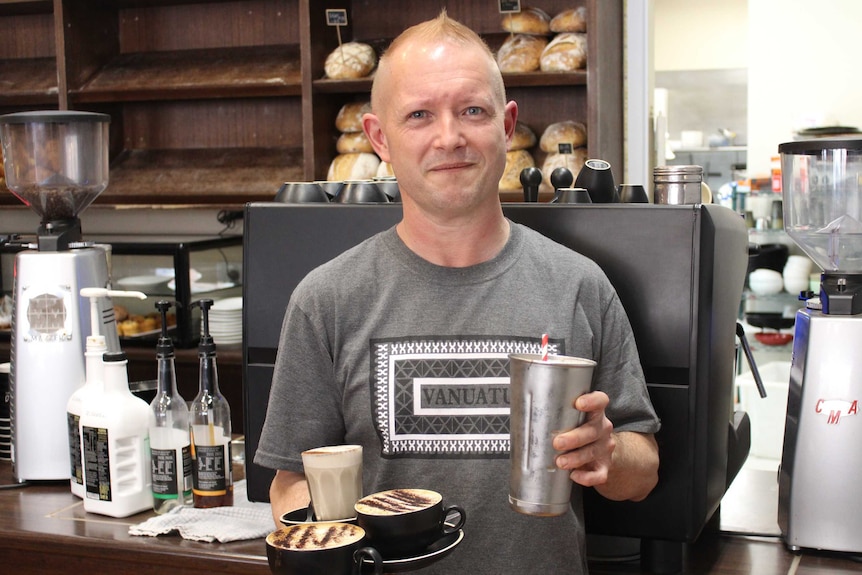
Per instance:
x=444, y=396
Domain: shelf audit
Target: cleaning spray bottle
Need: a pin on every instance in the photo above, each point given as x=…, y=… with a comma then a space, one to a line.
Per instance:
x=170, y=447
x=114, y=431
x=96, y=346
x=210, y=421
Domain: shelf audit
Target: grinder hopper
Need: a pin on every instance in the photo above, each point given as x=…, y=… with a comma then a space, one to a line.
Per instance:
x=57, y=164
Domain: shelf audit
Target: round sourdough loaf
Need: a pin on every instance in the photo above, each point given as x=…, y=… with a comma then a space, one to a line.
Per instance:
x=349, y=117
x=571, y=20
x=567, y=52
x=515, y=162
x=521, y=53
x=523, y=138
x=352, y=142
x=528, y=21
x=565, y=132
x=350, y=60
x=356, y=166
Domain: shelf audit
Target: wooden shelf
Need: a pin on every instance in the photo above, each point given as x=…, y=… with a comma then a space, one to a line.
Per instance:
x=28, y=82
x=197, y=74
x=202, y=176
x=220, y=101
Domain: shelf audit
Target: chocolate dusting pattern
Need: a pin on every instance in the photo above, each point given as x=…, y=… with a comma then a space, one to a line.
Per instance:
x=399, y=501
x=315, y=537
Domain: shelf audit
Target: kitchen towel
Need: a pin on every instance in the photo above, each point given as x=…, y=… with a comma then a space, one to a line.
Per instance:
x=244, y=520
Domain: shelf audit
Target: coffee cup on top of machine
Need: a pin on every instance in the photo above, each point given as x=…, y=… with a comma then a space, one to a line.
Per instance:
x=403, y=522
x=300, y=193
x=361, y=192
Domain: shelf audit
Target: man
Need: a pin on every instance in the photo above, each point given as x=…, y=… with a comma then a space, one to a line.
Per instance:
x=401, y=343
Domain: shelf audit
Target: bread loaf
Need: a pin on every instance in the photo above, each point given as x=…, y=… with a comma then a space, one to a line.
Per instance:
x=357, y=166
x=571, y=20
x=353, y=142
x=528, y=21
x=565, y=53
x=574, y=162
x=515, y=162
x=349, y=118
x=566, y=132
x=350, y=60
x=523, y=138
x=384, y=170
x=521, y=53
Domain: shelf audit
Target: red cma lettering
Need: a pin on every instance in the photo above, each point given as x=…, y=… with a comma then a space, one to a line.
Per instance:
x=835, y=408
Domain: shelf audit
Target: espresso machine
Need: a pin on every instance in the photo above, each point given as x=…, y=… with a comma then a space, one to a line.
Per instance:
x=820, y=502
x=57, y=164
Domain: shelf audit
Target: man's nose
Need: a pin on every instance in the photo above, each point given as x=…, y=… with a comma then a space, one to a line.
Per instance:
x=450, y=133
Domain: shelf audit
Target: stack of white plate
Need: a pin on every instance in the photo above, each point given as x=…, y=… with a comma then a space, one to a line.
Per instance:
x=226, y=321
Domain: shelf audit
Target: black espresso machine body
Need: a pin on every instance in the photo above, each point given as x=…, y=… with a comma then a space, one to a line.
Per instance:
x=679, y=271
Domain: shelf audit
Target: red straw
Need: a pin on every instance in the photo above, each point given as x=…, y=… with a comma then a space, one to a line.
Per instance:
x=544, y=347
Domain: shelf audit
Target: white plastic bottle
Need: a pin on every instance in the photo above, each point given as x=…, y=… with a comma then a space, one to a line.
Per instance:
x=96, y=346
x=114, y=431
x=170, y=446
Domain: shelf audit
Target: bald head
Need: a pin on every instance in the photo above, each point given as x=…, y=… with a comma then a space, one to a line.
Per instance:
x=441, y=30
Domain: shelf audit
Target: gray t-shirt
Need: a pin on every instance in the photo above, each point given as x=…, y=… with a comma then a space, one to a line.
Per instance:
x=381, y=348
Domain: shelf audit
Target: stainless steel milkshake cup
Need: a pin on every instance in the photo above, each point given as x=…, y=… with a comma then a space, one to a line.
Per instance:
x=543, y=392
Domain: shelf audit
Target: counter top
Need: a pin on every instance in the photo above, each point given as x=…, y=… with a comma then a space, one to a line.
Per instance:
x=44, y=529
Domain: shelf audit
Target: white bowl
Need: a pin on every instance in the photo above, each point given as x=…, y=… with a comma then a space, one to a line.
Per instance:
x=764, y=281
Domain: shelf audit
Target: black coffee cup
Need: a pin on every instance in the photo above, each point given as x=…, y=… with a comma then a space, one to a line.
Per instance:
x=404, y=522
x=632, y=194
x=572, y=196
x=361, y=192
x=320, y=549
x=300, y=193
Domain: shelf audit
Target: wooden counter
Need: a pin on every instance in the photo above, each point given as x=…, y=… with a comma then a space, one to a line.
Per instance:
x=44, y=529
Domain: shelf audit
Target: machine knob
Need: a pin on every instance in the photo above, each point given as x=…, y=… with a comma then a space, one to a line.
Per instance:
x=531, y=178
x=562, y=178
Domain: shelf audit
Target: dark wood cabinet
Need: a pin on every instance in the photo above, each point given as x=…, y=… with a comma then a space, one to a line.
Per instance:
x=218, y=102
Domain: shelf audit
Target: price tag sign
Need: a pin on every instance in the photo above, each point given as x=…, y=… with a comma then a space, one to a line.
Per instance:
x=565, y=148
x=336, y=17
x=510, y=6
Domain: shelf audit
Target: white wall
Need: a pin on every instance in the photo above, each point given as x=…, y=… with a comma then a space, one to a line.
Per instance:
x=803, y=71
x=700, y=34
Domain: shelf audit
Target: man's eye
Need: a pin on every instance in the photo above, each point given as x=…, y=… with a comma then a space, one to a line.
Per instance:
x=417, y=115
x=473, y=111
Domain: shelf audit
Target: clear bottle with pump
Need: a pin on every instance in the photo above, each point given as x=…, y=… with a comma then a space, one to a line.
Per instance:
x=170, y=445
x=114, y=433
x=210, y=428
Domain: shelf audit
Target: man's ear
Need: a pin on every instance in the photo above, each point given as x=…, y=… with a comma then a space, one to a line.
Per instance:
x=510, y=119
x=371, y=126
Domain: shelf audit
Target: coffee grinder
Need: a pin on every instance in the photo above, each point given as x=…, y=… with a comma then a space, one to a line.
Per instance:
x=820, y=502
x=57, y=164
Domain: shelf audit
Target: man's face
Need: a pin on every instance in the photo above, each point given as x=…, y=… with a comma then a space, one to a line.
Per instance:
x=442, y=125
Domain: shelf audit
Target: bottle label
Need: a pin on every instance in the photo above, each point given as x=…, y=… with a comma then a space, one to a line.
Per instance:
x=165, y=473
x=211, y=472
x=164, y=469
x=76, y=471
x=187, y=470
x=97, y=468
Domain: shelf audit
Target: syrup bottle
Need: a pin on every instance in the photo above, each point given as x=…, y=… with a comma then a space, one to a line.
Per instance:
x=170, y=446
x=210, y=427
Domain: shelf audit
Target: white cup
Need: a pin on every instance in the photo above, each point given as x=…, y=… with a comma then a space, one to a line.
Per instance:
x=334, y=476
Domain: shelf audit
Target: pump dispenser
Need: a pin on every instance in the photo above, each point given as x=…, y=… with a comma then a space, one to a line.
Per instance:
x=170, y=446
x=210, y=415
x=96, y=346
x=114, y=431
